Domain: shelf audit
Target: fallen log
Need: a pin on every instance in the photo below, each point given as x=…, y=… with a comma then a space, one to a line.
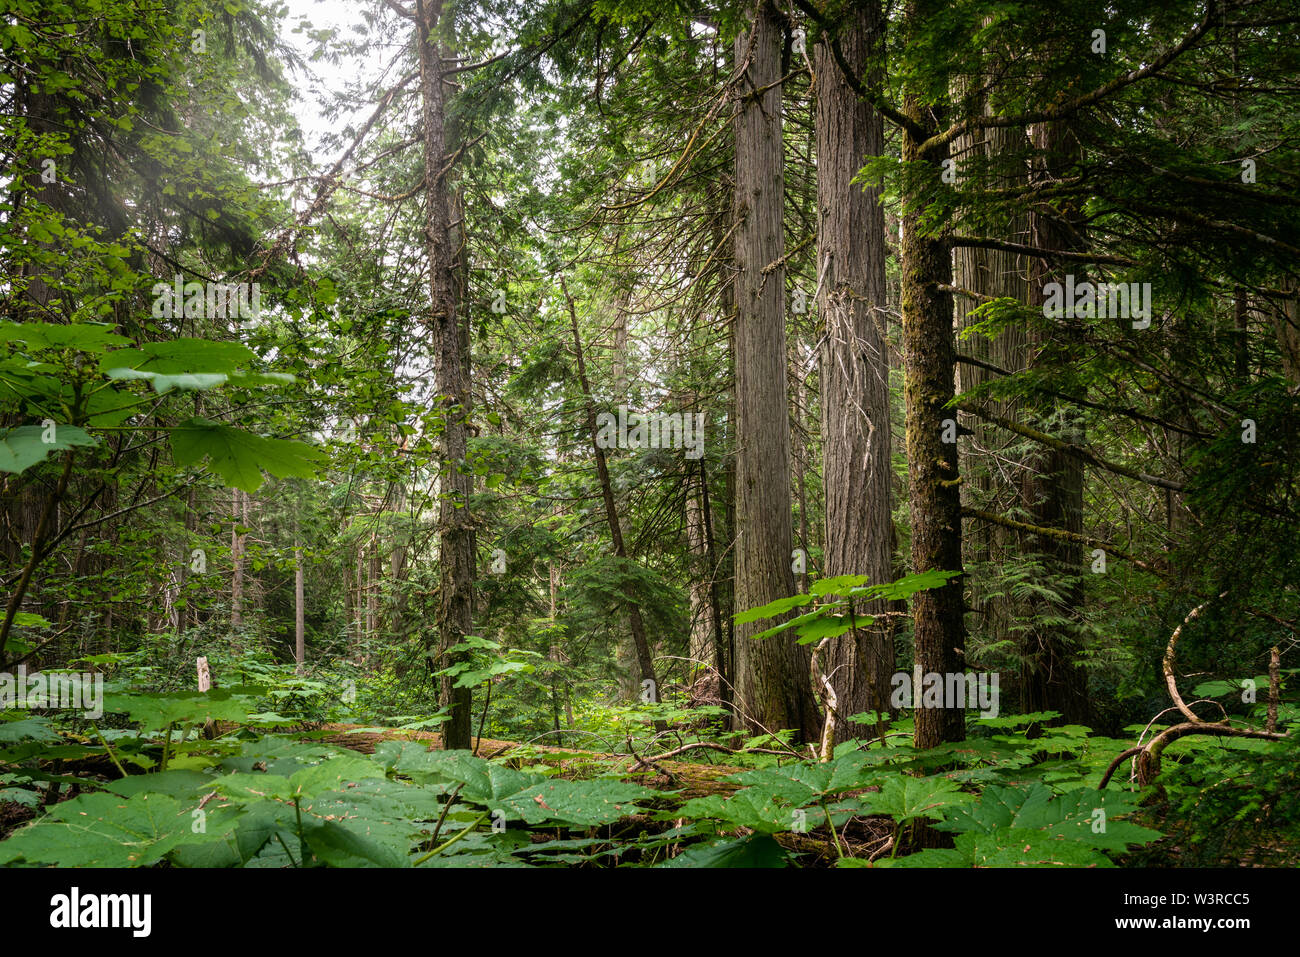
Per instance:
x=690, y=779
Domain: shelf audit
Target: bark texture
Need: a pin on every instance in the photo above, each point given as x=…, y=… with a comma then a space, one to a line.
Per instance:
x=451, y=372
x=933, y=485
x=854, y=363
x=773, y=689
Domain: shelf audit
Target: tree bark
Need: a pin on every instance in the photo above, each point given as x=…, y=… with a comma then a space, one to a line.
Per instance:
x=939, y=633
x=854, y=363
x=451, y=372
x=299, y=611
x=773, y=690
x=240, y=517
x=995, y=155
x=1051, y=676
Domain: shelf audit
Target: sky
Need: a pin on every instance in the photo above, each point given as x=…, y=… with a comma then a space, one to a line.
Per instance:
x=340, y=15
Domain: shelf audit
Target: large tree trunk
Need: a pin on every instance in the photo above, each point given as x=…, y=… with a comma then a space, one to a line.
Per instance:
x=1051, y=677
x=773, y=689
x=451, y=372
x=997, y=155
x=933, y=488
x=854, y=364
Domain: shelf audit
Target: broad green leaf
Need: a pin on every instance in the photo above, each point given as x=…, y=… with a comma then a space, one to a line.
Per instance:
x=587, y=803
x=1085, y=816
x=830, y=626
x=181, y=355
x=26, y=445
x=156, y=711
x=341, y=846
x=906, y=798
x=107, y=830
x=752, y=807
x=757, y=850
x=839, y=585
x=772, y=609
x=484, y=783
x=180, y=784
x=239, y=457
x=81, y=336
x=34, y=729
x=329, y=775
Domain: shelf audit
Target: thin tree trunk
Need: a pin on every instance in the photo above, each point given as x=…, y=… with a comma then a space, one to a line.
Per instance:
x=299, y=610
x=237, y=561
x=451, y=371
x=640, y=642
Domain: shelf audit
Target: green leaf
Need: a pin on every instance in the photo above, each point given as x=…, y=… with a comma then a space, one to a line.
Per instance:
x=328, y=775
x=33, y=729
x=25, y=446
x=1014, y=847
x=586, y=803
x=342, y=847
x=757, y=850
x=165, y=383
x=839, y=585
x=180, y=355
x=239, y=457
x=755, y=807
x=107, y=830
x=81, y=336
x=906, y=798
x=773, y=608
x=1084, y=816
x=157, y=711
x=830, y=626
x=484, y=783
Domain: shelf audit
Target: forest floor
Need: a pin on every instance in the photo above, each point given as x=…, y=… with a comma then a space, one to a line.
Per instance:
x=689, y=779
x=685, y=779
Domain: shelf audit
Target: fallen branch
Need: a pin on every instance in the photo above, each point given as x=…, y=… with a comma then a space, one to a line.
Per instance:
x=1147, y=757
x=1168, y=663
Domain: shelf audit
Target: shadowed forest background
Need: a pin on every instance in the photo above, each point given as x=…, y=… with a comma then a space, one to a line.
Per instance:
x=649, y=434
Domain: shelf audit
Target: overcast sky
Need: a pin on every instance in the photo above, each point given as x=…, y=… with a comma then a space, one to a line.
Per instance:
x=325, y=76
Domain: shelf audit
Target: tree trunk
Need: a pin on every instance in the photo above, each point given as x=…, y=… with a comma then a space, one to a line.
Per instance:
x=451, y=372
x=299, y=611
x=996, y=154
x=239, y=516
x=854, y=364
x=773, y=688
x=939, y=633
x=701, y=644
x=1051, y=677
x=640, y=643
